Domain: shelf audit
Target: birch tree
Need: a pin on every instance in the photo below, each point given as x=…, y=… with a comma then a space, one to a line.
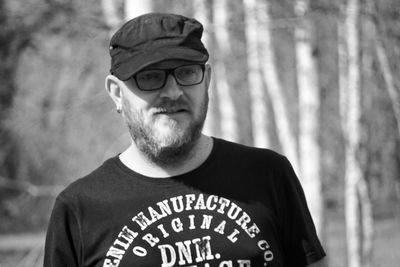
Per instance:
x=351, y=113
x=111, y=15
x=229, y=125
x=307, y=80
x=204, y=14
x=384, y=64
x=237, y=66
x=134, y=8
x=259, y=113
x=274, y=88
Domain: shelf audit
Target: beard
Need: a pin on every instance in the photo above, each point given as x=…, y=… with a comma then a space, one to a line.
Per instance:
x=170, y=147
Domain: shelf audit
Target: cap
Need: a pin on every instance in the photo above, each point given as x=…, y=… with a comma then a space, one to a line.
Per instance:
x=152, y=38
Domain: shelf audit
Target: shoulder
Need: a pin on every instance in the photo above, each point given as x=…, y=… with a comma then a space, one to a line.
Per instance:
x=90, y=184
x=232, y=151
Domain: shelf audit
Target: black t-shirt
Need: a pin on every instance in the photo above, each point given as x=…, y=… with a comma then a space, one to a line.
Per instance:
x=242, y=207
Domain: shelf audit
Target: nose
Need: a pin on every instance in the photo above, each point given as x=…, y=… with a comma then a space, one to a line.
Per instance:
x=172, y=89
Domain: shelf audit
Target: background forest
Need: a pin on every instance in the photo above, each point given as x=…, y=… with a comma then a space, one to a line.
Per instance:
x=315, y=80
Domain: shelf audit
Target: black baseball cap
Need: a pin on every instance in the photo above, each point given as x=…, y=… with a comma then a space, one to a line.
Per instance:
x=152, y=38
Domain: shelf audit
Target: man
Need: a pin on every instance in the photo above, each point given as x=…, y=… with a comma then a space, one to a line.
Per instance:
x=176, y=197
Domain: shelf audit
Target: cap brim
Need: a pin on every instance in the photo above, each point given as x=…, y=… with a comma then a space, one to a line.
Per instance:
x=136, y=62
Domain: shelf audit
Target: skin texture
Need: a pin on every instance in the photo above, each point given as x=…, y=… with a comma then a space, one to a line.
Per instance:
x=165, y=125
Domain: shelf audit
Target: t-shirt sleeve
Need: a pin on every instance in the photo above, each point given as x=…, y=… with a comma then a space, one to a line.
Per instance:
x=300, y=241
x=62, y=246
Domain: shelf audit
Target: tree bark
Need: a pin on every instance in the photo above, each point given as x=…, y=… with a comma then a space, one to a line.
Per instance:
x=205, y=15
x=352, y=113
x=259, y=112
x=309, y=102
x=387, y=76
x=274, y=88
x=134, y=8
x=238, y=78
x=227, y=110
x=111, y=15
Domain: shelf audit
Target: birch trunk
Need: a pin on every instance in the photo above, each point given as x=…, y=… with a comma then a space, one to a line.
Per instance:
x=237, y=66
x=309, y=102
x=353, y=174
x=369, y=40
x=259, y=114
x=134, y=8
x=275, y=91
x=229, y=125
x=205, y=16
x=387, y=76
x=111, y=15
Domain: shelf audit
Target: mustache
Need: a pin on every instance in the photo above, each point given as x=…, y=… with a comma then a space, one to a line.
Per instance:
x=171, y=106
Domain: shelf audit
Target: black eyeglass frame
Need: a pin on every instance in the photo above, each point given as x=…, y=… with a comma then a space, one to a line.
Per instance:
x=171, y=72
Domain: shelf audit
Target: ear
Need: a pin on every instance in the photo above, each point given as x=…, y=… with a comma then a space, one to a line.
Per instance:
x=207, y=78
x=114, y=90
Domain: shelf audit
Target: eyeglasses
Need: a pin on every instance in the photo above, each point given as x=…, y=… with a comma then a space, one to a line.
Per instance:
x=154, y=79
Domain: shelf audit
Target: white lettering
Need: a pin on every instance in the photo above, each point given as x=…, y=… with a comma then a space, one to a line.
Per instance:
x=224, y=202
x=164, y=207
x=189, y=200
x=184, y=252
x=203, y=249
x=206, y=222
x=232, y=237
x=244, y=263
x=242, y=221
x=252, y=230
x=121, y=244
x=141, y=220
x=155, y=216
x=200, y=203
x=192, y=225
x=177, y=204
x=139, y=251
x=128, y=234
x=167, y=261
x=165, y=233
x=225, y=263
x=149, y=238
x=177, y=225
x=233, y=211
x=209, y=204
x=115, y=253
x=220, y=228
x=109, y=263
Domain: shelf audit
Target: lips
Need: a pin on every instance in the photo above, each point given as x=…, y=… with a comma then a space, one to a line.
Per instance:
x=170, y=109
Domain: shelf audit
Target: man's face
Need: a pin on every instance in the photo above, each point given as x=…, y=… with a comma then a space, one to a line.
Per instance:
x=166, y=123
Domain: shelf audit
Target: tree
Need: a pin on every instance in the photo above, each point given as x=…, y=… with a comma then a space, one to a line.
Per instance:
x=270, y=77
x=259, y=113
x=307, y=80
x=205, y=15
x=356, y=193
x=229, y=123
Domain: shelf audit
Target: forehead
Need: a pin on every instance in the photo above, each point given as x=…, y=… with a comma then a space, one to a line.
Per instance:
x=168, y=64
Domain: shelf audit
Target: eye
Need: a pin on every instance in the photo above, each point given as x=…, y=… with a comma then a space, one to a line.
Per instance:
x=150, y=75
x=186, y=71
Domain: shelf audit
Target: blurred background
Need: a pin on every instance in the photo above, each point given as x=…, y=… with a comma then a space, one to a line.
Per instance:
x=315, y=80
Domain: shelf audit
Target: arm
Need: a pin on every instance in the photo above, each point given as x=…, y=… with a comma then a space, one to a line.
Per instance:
x=62, y=246
x=301, y=244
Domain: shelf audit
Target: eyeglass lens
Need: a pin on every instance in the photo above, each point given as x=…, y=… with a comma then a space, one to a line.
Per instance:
x=184, y=75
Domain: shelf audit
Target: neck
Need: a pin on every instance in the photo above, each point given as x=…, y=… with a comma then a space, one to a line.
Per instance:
x=134, y=159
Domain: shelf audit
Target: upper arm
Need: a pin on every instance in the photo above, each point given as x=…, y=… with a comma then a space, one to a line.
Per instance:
x=62, y=247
